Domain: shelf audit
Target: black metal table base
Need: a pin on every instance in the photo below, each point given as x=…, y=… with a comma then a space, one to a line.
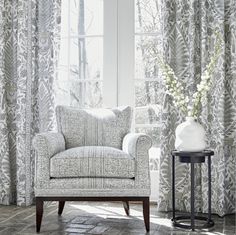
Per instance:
x=177, y=222
x=192, y=158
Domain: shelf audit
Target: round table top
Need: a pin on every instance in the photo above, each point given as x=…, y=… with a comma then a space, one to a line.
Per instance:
x=200, y=154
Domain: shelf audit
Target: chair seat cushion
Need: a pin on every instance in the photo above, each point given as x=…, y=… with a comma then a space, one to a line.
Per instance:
x=92, y=161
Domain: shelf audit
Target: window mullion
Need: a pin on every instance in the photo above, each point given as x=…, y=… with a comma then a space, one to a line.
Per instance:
x=110, y=54
x=126, y=52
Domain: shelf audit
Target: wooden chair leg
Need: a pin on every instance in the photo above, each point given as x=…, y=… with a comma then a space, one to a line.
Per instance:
x=126, y=207
x=61, y=207
x=39, y=213
x=146, y=213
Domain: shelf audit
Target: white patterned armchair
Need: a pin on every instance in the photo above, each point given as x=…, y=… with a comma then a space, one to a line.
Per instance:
x=93, y=157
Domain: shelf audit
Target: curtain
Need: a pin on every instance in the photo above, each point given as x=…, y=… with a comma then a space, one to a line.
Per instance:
x=188, y=33
x=29, y=39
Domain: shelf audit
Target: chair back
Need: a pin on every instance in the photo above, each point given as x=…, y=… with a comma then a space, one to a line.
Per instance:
x=93, y=127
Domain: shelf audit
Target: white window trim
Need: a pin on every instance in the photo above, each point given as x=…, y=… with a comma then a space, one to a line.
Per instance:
x=118, y=77
x=110, y=50
x=126, y=57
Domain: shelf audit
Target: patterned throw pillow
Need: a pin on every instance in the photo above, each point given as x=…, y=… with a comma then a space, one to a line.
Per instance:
x=94, y=127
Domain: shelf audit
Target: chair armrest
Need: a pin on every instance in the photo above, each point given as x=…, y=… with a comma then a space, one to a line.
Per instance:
x=49, y=143
x=133, y=143
x=46, y=145
x=137, y=145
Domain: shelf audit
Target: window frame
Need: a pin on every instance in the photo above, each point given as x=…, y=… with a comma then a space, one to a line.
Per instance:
x=118, y=81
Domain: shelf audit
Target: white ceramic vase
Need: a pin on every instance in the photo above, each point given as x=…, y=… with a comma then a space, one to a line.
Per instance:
x=190, y=136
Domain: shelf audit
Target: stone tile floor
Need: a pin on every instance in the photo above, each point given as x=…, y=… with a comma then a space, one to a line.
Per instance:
x=98, y=218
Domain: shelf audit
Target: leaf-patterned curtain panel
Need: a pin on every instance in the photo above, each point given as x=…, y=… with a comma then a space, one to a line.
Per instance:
x=188, y=42
x=29, y=35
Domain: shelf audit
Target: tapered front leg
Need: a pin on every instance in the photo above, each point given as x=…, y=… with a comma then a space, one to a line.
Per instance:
x=39, y=213
x=61, y=207
x=146, y=213
x=126, y=207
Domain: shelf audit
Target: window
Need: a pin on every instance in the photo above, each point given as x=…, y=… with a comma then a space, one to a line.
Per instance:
x=147, y=81
x=80, y=70
x=108, y=58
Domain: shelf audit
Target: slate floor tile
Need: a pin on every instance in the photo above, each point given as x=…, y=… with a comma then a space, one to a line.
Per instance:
x=99, y=218
x=100, y=229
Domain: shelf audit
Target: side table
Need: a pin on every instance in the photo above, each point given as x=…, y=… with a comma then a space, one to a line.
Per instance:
x=192, y=158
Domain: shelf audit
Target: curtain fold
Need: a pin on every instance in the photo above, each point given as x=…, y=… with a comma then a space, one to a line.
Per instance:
x=29, y=42
x=188, y=38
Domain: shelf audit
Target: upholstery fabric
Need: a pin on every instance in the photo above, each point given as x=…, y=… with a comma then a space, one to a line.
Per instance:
x=112, y=188
x=46, y=145
x=29, y=39
x=188, y=40
x=136, y=146
x=93, y=127
x=92, y=161
x=51, y=142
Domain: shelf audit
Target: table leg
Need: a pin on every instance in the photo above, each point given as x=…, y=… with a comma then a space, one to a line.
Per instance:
x=173, y=187
x=209, y=189
x=192, y=196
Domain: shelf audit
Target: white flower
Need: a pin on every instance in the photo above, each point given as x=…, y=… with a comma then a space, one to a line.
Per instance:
x=171, y=73
x=207, y=88
x=175, y=88
x=199, y=87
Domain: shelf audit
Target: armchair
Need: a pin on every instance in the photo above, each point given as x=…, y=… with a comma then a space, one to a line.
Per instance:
x=93, y=157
